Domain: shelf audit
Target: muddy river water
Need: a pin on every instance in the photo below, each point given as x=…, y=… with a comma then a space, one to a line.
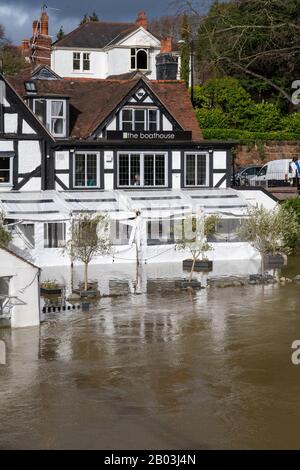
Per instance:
x=158, y=370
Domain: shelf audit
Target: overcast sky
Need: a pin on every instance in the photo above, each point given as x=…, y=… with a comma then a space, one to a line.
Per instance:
x=17, y=15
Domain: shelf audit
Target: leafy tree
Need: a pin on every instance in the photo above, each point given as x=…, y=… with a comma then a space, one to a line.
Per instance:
x=262, y=117
x=270, y=231
x=196, y=230
x=254, y=39
x=61, y=34
x=291, y=122
x=85, y=19
x=89, y=237
x=5, y=236
x=94, y=16
x=185, y=51
x=13, y=61
x=212, y=118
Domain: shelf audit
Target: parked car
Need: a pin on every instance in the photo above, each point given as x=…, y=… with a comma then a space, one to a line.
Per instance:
x=245, y=174
x=274, y=173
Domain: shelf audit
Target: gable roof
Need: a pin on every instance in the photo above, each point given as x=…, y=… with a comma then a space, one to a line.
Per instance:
x=16, y=255
x=17, y=93
x=92, y=101
x=96, y=34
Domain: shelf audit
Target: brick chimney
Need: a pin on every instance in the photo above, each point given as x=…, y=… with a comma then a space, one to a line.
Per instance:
x=142, y=20
x=44, y=24
x=37, y=50
x=166, y=45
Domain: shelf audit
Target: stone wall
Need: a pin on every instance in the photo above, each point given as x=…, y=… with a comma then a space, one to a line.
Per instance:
x=261, y=153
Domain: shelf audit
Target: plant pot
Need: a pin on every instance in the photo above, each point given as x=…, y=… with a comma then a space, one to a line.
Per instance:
x=51, y=290
x=185, y=284
x=200, y=265
x=92, y=285
x=87, y=293
x=274, y=261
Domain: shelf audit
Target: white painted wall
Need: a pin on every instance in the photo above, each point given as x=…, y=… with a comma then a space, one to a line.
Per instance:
x=10, y=123
x=29, y=155
x=26, y=128
x=176, y=181
x=62, y=63
x=24, y=284
x=62, y=160
x=109, y=181
x=167, y=125
x=217, y=178
x=108, y=160
x=176, y=160
x=6, y=145
x=220, y=160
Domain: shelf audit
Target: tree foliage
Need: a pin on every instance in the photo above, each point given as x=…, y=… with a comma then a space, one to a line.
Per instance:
x=254, y=39
x=185, y=51
x=13, y=61
x=270, y=231
x=5, y=236
x=89, y=237
x=60, y=34
x=196, y=230
x=87, y=18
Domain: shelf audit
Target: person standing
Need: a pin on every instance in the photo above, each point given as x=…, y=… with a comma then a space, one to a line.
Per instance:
x=295, y=166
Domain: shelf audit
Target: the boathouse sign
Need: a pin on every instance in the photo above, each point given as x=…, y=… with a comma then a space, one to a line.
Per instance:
x=149, y=135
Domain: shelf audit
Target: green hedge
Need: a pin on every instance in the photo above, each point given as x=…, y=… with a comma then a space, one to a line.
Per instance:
x=247, y=136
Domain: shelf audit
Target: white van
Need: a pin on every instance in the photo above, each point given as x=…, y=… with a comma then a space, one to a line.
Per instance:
x=274, y=173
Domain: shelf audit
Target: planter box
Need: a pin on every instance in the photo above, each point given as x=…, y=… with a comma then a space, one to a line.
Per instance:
x=87, y=293
x=200, y=265
x=51, y=290
x=184, y=284
x=274, y=261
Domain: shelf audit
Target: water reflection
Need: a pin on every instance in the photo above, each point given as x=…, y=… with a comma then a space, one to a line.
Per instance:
x=157, y=370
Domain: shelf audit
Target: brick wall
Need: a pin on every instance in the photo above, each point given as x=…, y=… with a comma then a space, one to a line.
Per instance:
x=264, y=152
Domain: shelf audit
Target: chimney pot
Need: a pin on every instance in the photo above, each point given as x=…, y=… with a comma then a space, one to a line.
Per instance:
x=44, y=24
x=142, y=20
x=166, y=45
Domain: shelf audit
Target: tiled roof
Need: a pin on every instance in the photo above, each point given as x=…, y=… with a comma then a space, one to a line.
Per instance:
x=96, y=34
x=93, y=100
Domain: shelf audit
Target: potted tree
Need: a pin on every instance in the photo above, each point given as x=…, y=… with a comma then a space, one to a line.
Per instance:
x=194, y=239
x=49, y=287
x=89, y=237
x=270, y=232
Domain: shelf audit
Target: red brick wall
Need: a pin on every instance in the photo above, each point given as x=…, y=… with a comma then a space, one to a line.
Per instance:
x=264, y=152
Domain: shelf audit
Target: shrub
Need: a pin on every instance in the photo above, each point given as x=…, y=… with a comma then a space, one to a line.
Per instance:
x=291, y=122
x=261, y=117
x=247, y=136
x=212, y=118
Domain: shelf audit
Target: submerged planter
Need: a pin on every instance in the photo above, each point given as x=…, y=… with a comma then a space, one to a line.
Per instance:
x=87, y=293
x=51, y=290
x=185, y=284
x=200, y=265
x=274, y=261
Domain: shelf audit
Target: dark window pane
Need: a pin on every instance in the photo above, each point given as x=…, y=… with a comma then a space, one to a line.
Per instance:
x=80, y=170
x=190, y=177
x=4, y=170
x=127, y=115
x=123, y=170
x=86, y=61
x=135, y=170
x=40, y=110
x=201, y=170
x=153, y=120
x=139, y=120
x=159, y=170
x=141, y=60
x=127, y=126
x=91, y=169
x=149, y=170
x=76, y=60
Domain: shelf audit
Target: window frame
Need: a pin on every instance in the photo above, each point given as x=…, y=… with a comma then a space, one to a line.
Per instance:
x=86, y=152
x=49, y=116
x=46, y=235
x=142, y=169
x=133, y=55
x=81, y=58
x=206, y=154
x=9, y=155
x=146, y=118
x=78, y=58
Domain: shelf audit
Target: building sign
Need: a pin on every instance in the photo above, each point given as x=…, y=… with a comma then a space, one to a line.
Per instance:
x=150, y=136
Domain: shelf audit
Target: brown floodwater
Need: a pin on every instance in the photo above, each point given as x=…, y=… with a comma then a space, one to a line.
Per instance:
x=175, y=370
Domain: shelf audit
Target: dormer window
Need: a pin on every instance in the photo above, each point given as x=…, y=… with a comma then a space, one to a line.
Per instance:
x=139, y=119
x=139, y=59
x=30, y=87
x=52, y=113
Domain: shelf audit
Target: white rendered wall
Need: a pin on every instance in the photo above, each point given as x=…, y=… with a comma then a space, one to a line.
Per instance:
x=26, y=129
x=10, y=123
x=167, y=125
x=24, y=284
x=29, y=155
x=62, y=63
x=220, y=160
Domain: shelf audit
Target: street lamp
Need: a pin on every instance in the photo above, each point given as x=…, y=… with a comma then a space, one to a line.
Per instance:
x=191, y=68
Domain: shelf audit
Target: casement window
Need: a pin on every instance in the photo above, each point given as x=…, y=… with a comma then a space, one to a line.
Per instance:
x=81, y=62
x=54, y=235
x=136, y=119
x=6, y=169
x=76, y=61
x=142, y=169
x=52, y=113
x=196, y=169
x=86, y=170
x=139, y=59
